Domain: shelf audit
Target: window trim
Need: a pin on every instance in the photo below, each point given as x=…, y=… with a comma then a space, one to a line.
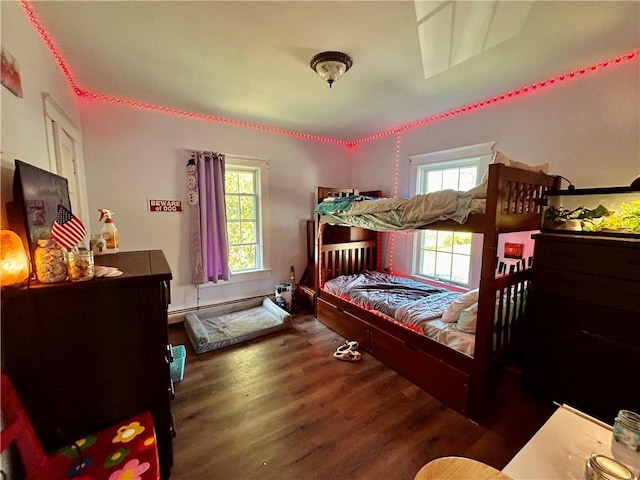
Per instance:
x=459, y=154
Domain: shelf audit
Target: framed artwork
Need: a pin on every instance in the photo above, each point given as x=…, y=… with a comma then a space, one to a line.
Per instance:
x=39, y=193
x=11, y=73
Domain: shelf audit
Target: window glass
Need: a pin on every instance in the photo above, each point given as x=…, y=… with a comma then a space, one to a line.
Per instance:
x=446, y=255
x=245, y=209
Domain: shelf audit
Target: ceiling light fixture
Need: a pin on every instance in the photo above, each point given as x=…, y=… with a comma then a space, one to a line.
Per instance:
x=331, y=65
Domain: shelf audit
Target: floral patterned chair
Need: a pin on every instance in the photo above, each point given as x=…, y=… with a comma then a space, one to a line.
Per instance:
x=126, y=450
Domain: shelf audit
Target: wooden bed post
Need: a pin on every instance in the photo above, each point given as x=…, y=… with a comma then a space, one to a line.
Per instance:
x=486, y=301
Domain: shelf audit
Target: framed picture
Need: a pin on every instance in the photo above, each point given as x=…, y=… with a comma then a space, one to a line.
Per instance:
x=11, y=73
x=39, y=192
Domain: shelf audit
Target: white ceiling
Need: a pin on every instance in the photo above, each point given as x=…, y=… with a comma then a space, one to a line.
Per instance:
x=249, y=61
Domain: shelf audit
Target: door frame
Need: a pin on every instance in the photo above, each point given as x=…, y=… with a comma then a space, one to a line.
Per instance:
x=56, y=117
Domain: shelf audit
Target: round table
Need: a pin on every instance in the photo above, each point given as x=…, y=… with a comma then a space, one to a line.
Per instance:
x=459, y=468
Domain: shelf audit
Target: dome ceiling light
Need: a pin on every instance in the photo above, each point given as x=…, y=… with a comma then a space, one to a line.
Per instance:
x=331, y=65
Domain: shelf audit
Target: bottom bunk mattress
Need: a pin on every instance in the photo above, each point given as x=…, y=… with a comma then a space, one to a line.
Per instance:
x=445, y=316
x=221, y=326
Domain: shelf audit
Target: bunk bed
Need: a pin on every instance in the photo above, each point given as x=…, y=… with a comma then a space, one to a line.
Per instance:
x=461, y=380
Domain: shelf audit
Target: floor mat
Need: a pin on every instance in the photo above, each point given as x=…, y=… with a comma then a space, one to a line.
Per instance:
x=217, y=327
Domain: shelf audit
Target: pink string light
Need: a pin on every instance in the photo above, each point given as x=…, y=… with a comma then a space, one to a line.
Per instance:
x=633, y=55
x=26, y=4
x=396, y=174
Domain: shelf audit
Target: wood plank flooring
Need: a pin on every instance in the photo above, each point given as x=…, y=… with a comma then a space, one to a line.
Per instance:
x=281, y=407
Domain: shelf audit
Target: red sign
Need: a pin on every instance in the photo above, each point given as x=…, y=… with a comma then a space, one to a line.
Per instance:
x=165, y=205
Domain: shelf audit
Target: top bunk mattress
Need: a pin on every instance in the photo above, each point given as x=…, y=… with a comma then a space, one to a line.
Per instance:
x=397, y=214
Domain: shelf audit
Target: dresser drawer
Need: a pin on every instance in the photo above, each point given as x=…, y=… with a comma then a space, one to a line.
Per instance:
x=342, y=322
x=440, y=379
x=616, y=259
x=594, y=374
x=593, y=289
x=620, y=325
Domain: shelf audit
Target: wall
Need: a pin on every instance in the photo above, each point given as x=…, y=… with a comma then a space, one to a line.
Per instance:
x=132, y=155
x=23, y=134
x=587, y=129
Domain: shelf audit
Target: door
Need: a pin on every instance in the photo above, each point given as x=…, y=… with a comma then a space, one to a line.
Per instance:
x=65, y=157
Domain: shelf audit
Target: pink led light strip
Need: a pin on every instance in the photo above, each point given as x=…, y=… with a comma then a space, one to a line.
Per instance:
x=396, y=170
x=633, y=55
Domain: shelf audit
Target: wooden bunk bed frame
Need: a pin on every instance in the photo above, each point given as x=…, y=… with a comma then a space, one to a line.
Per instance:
x=513, y=204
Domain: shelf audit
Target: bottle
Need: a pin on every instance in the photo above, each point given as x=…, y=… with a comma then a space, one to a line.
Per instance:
x=109, y=231
x=51, y=261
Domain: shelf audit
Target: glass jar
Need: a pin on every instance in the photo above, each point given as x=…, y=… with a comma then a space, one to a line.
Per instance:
x=626, y=430
x=81, y=267
x=51, y=261
x=98, y=244
x=600, y=467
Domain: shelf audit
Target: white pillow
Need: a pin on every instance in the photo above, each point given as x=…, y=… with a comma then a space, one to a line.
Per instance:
x=468, y=318
x=452, y=312
x=543, y=167
x=479, y=191
x=499, y=157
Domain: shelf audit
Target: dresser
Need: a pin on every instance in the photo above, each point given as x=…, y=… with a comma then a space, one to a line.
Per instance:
x=583, y=331
x=86, y=355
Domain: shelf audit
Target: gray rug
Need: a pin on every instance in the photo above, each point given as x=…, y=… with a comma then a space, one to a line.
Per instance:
x=218, y=327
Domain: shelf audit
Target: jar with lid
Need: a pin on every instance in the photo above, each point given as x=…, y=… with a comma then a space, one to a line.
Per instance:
x=626, y=430
x=600, y=467
x=98, y=244
x=51, y=261
x=81, y=266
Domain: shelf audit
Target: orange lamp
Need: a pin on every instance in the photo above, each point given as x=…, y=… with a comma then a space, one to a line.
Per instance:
x=14, y=264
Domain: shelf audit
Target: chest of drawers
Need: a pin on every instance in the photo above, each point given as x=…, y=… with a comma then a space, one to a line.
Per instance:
x=583, y=330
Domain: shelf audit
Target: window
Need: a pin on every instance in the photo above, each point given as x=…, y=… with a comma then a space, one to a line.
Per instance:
x=246, y=205
x=438, y=254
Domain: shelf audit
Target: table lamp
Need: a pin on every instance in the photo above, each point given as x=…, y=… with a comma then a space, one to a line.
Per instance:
x=14, y=264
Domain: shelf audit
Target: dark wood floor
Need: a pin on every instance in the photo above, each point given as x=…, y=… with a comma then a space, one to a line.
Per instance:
x=281, y=407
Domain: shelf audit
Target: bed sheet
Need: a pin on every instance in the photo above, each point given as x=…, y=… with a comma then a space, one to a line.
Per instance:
x=392, y=220
x=415, y=305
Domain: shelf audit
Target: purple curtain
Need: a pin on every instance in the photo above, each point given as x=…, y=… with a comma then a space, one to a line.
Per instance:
x=209, y=246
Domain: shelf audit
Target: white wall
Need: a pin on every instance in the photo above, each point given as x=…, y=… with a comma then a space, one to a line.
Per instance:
x=133, y=155
x=23, y=134
x=588, y=130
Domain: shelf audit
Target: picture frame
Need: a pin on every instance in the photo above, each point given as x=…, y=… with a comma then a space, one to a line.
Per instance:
x=38, y=193
x=10, y=73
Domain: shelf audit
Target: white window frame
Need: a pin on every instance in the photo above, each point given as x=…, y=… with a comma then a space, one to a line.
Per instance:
x=481, y=155
x=261, y=167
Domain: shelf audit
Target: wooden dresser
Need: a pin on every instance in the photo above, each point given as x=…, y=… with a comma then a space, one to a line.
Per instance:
x=89, y=354
x=583, y=334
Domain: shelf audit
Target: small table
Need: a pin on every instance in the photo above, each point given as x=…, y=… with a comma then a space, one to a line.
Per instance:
x=458, y=468
x=560, y=449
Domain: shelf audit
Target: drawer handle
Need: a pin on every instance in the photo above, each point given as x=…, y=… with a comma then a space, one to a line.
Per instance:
x=169, y=356
x=411, y=347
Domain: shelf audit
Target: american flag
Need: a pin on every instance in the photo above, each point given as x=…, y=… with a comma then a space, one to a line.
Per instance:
x=67, y=230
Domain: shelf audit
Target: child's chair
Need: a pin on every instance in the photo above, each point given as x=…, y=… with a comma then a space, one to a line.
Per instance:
x=125, y=450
